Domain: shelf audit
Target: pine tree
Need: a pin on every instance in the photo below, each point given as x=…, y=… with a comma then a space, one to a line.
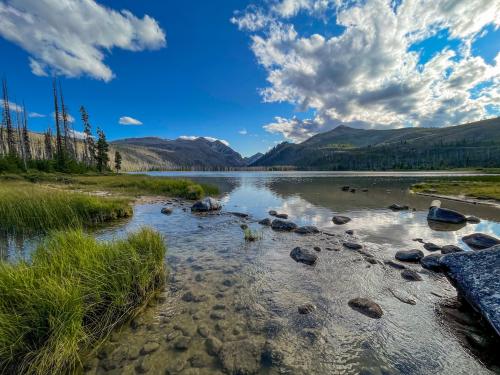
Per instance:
x=102, y=151
x=118, y=161
x=88, y=140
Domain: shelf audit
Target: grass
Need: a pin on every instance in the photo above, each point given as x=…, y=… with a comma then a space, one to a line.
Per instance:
x=482, y=187
x=27, y=207
x=71, y=295
x=250, y=235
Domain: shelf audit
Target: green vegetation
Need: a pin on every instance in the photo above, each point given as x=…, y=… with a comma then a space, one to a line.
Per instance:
x=71, y=295
x=481, y=187
x=34, y=208
x=250, y=235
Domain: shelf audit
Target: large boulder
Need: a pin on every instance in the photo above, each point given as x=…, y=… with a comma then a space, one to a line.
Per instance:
x=367, y=307
x=303, y=256
x=206, y=205
x=340, y=220
x=476, y=275
x=480, y=241
x=409, y=255
x=436, y=213
x=285, y=226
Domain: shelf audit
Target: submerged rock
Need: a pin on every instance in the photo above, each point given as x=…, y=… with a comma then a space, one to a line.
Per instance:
x=281, y=216
x=166, y=210
x=306, y=308
x=352, y=245
x=436, y=213
x=265, y=221
x=479, y=241
x=413, y=255
x=432, y=262
x=280, y=225
x=240, y=214
x=397, y=207
x=308, y=229
x=395, y=265
x=476, y=275
x=340, y=220
x=206, y=205
x=448, y=249
x=429, y=246
x=303, y=256
x=473, y=219
x=240, y=357
x=367, y=307
x=410, y=275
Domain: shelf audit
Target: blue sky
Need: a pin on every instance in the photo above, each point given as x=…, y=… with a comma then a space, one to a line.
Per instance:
x=206, y=80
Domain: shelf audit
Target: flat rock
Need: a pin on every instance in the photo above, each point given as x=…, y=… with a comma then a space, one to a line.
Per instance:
x=367, y=307
x=480, y=241
x=285, y=226
x=429, y=246
x=266, y=222
x=476, y=275
x=413, y=255
x=340, y=220
x=448, y=249
x=432, y=262
x=410, y=275
x=445, y=215
x=206, y=205
x=308, y=229
x=303, y=256
x=352, y=245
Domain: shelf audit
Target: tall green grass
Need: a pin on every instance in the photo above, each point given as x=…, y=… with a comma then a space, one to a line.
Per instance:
x=26, y=207
x=72, y=294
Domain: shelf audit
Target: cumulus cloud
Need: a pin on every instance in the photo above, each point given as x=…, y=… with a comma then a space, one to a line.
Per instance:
x=210, y=139
x=126, y=120
x=71, y=37
x=369, y=74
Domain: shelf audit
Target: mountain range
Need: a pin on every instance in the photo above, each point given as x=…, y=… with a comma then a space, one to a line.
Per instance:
x=475, y=144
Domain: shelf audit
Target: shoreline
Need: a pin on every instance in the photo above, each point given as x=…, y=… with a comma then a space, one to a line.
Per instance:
x=455, y=198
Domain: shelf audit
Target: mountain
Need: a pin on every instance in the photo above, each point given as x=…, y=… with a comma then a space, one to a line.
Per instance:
x=252, y=159
x=149, y=153
x=475, y=144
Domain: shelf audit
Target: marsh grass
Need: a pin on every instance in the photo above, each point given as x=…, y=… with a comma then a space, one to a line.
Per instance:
x=32, y=208
x=72, y=294
x=251, y=235
x=482, y=187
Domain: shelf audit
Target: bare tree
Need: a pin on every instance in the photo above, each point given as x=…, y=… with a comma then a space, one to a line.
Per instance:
x=7, y=121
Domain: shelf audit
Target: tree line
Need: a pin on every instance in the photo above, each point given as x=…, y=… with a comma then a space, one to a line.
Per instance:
x=59, y=149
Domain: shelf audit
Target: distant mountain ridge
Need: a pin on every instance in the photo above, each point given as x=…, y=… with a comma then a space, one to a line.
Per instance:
x=343, y=148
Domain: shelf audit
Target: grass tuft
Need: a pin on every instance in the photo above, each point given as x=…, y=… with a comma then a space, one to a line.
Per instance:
x=250, y=235
x=73, y=293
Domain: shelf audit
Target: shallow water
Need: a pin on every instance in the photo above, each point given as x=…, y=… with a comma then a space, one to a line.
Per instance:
x=246, y=294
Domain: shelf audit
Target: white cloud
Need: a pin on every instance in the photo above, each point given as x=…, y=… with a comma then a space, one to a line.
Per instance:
x=368, y=76
x=71, y=37
x=69, y=118
x=243, y=132
x=210, y=139
x=36, y=115
x=126, y=120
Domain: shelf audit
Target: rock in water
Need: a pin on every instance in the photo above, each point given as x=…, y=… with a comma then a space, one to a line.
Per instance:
x=476, y=275
x=265, y=221
x=429, y=246
x=480, y=241
x=448, y=249
x=431, y=262
x=409, y=255
x=436, y=213
x=281, y=225
x=397, y=207
x=340, y=220
x=352, y=245
x=410, y=275
x=306, y=308
x=206, y=205
x=308, y=229
x=367, y=307
x=281, y=216
x=240, y=357
x=473, y=220
x=166, y=210
x=303, y=256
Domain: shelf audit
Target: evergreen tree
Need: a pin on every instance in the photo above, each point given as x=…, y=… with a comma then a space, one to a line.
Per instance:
x=118, y=161
x=102, y=157
x=88, y=140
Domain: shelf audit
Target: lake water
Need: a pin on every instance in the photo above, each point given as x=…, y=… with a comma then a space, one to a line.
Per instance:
x=230, y=306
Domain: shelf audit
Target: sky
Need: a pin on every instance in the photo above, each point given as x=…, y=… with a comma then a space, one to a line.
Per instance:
x=253, y=73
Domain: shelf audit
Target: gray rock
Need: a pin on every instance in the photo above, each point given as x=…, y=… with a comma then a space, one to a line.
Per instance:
x=350, y=232
x=413, y=255
x=340, y=220
x=272, y=213
x=429, y=246
x=432, y=262
x=317, y=248
x=473, y=219
x=476, y=275
x=217, y=315
x=480, y=241
x=282, y=216
x=213, y=346
x=265, y=221
x=395, y=265
x=203, y=331
x=206, y=205
x=398, y=207
x=306, y=308
x=448, y=249
x=352, y=245
x=445, y=215
x=285, y=226
x=367, y=307
x=308, y=229
x=166, y=210
x=239, y=214
x=240, y=357
x=410, y=275
x=303, y=256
